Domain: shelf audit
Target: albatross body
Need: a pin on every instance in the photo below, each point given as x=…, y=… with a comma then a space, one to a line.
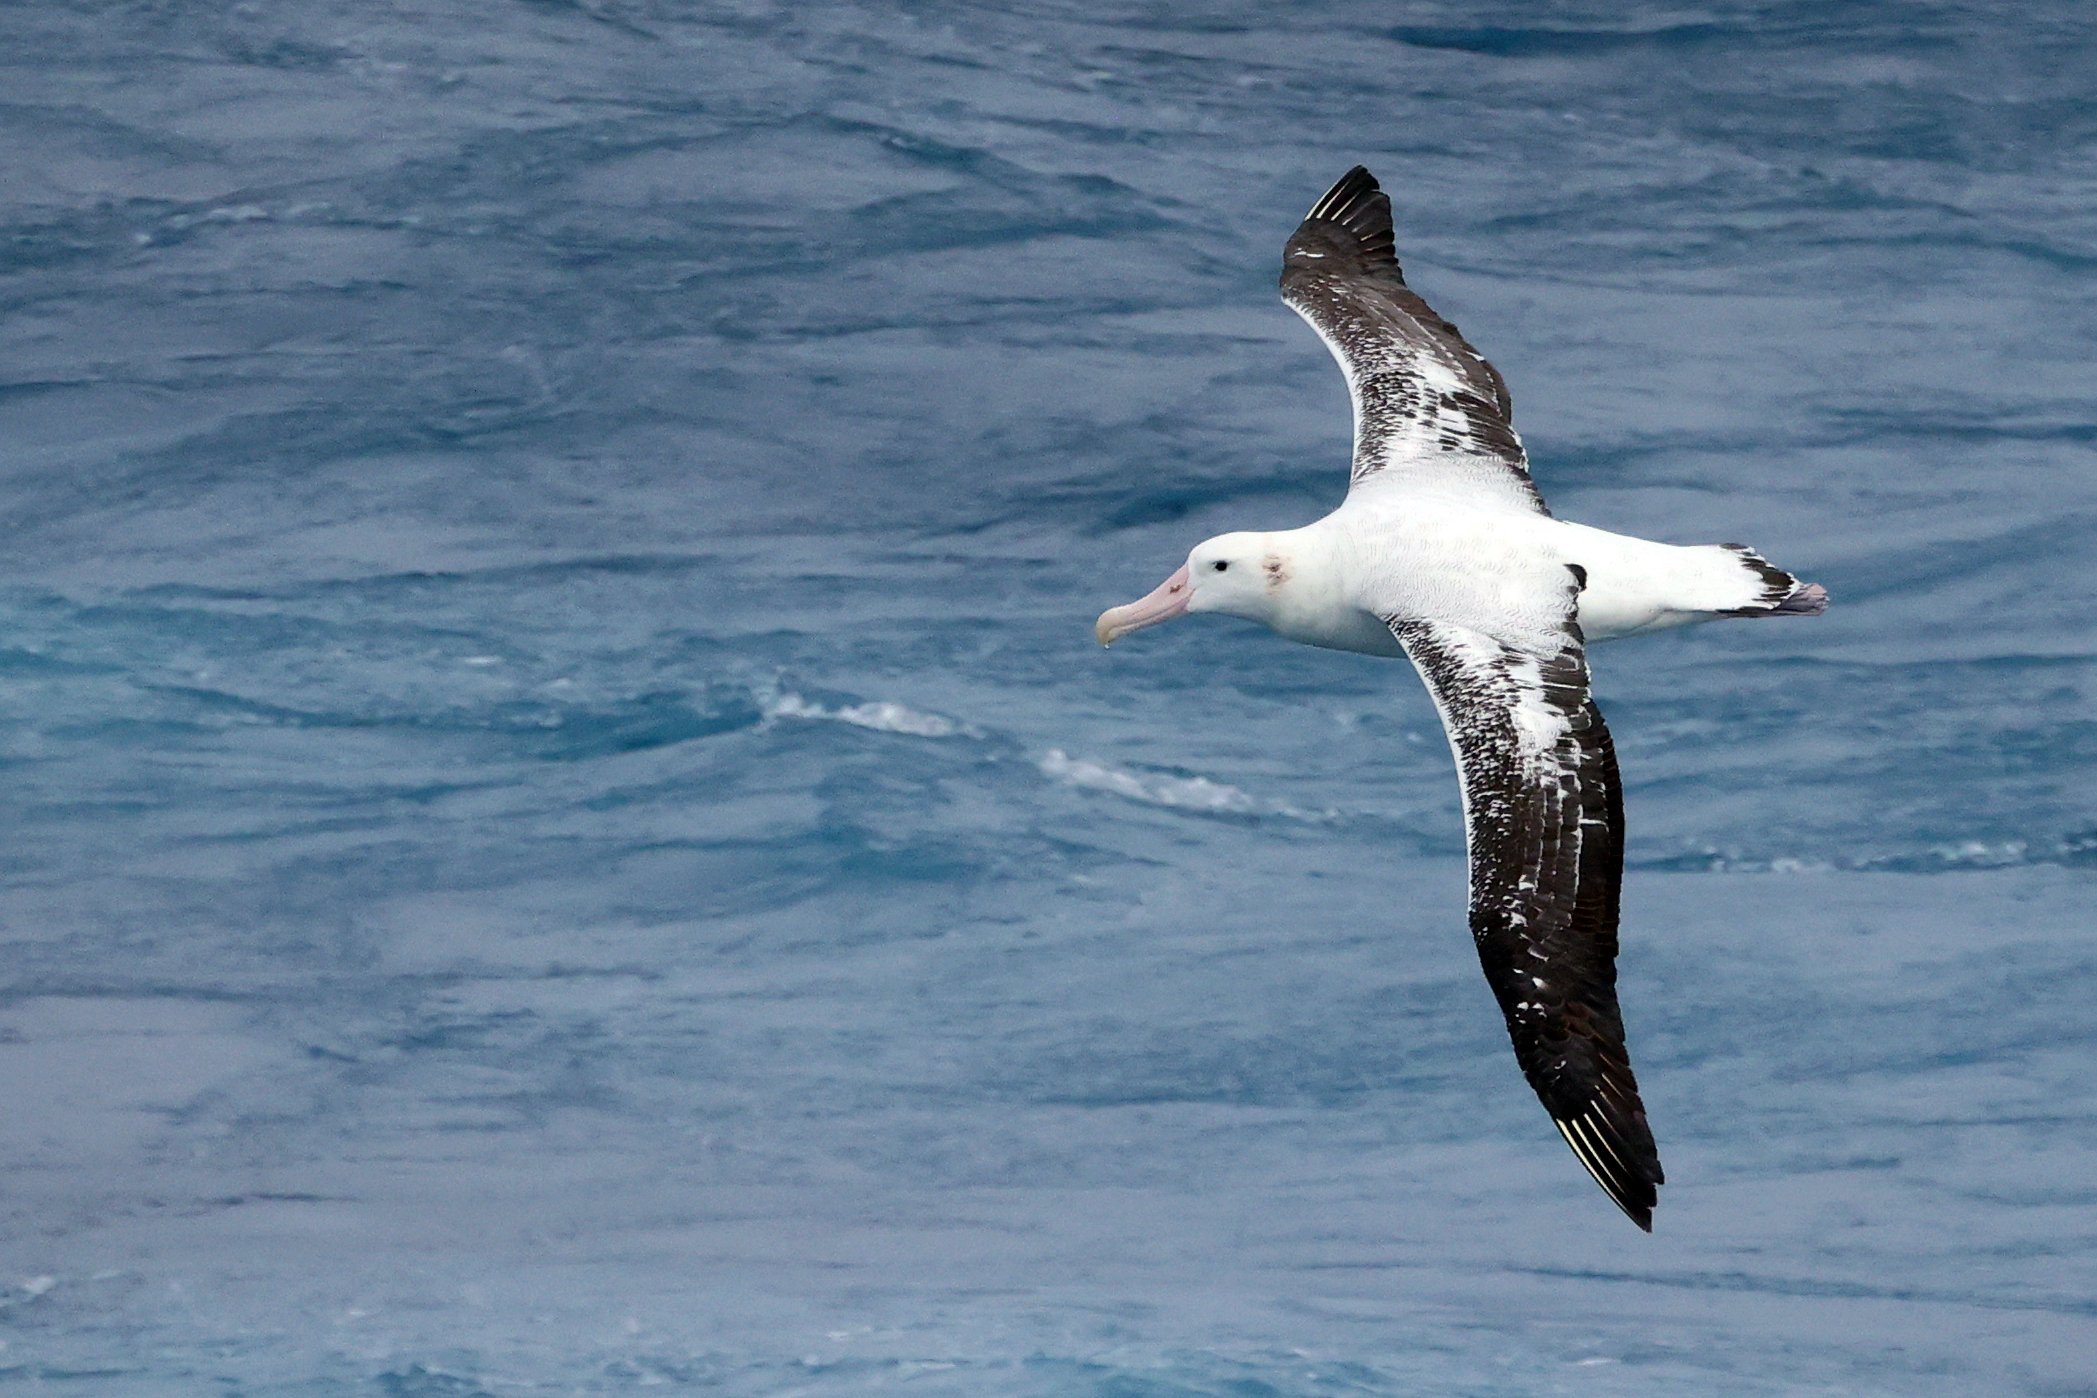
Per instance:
x=1444, y=553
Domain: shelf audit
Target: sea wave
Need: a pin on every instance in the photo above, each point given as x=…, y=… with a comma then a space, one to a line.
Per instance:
x=1190, y=793
x=883, y=715
x=1160, y=789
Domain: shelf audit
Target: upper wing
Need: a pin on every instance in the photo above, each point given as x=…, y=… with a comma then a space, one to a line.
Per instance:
x=1425, y=403
x=1544, y=820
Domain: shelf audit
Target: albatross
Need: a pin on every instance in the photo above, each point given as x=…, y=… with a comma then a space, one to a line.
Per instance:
x=1444, y=553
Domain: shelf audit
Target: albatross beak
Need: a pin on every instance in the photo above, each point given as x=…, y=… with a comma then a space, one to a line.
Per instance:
x=1167, y=602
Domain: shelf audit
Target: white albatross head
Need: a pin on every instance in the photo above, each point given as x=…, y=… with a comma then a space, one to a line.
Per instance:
x=1242, y=574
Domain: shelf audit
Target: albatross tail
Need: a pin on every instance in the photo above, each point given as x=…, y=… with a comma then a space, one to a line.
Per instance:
x=1775, y=592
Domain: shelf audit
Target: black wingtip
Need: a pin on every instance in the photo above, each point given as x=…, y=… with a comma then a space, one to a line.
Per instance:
x=1631, y=1187
x=1358, y=204
x=1346, y=191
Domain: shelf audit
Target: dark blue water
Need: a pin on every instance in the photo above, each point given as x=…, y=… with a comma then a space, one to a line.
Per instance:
x=566, y=832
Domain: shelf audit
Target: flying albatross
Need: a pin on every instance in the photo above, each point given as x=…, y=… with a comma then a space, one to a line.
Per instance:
x=1444, y=553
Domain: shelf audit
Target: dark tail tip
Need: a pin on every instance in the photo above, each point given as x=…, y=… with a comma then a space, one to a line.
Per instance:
x=1807, y=599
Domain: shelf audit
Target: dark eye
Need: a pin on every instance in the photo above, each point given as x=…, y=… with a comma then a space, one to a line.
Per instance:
x=1220, y=565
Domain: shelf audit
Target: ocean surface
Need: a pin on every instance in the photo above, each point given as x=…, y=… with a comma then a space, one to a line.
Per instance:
x=565, y=831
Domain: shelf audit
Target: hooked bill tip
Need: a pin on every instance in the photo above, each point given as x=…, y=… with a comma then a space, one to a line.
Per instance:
x=1168, y=599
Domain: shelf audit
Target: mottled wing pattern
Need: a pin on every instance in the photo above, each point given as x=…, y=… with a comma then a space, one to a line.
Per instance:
x=1544, y=820
x=1426, y=405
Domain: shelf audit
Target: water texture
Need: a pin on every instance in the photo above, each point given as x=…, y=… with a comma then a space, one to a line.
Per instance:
x=566, y=832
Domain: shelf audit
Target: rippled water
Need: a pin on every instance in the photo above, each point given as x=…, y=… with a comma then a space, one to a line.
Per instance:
x=568, y=833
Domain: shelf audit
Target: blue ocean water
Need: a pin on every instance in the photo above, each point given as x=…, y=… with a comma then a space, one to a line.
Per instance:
x=567, y=833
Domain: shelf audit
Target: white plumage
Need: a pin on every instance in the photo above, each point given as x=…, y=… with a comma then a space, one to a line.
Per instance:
x=1444, y=553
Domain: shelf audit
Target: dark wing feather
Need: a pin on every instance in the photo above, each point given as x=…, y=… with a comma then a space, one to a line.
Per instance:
x=1544, y=821
x=1427, y=407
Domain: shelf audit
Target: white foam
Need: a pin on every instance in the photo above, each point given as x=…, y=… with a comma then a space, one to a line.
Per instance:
x=1191, y=793
x=1979, y=854
x=884, y=715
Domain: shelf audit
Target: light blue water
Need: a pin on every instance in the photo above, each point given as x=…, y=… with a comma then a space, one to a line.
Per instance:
x=567, y=834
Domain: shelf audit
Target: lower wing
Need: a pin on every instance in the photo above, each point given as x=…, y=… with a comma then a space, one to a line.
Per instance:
x=1544, y=822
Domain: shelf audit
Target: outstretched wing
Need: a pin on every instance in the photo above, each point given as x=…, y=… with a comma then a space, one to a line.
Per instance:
x=1427, y=406
x=1544, y=820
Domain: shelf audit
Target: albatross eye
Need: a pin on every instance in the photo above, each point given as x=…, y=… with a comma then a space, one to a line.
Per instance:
x=1219, y=565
